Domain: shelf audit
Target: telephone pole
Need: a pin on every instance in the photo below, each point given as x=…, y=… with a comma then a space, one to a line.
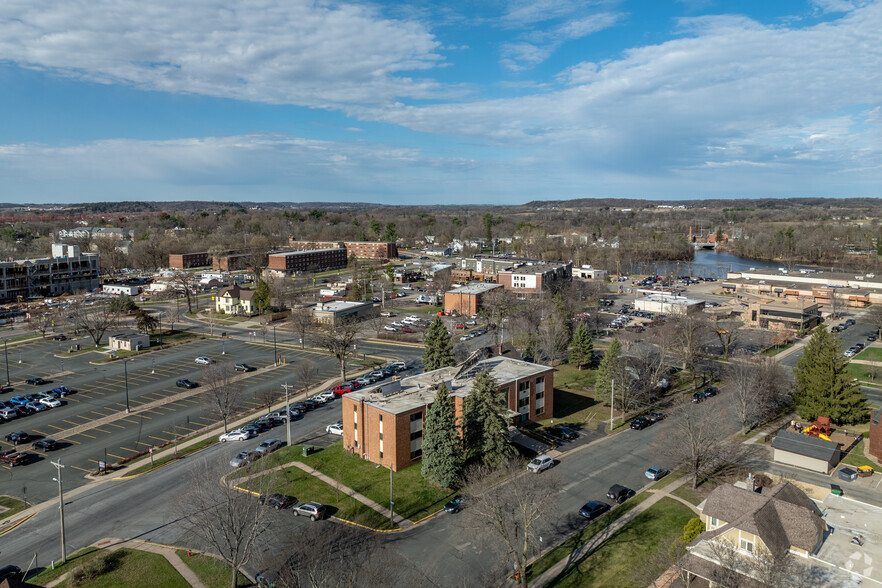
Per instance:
x=287, y=412
x=59, y=467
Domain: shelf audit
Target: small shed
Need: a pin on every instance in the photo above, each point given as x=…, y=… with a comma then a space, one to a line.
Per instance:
x=130, y=341
x=805, y=451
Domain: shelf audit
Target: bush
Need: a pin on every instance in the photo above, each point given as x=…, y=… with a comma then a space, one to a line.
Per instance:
x=692, y=530
x=94, y=568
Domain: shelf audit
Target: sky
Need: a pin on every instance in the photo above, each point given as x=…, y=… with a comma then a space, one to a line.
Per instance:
x=439, y=102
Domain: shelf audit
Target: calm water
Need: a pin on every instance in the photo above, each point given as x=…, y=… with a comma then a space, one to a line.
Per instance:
x=707, y=263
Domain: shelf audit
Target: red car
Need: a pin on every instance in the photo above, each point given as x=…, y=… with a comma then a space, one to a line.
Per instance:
x=459, y=326
x=345, y=388
x=407, y=330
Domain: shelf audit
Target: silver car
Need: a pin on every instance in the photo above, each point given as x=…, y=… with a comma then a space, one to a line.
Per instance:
x=268, y=446
x=244, y=458
x=540, y=463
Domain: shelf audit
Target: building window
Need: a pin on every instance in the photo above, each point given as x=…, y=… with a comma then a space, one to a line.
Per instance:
x=416, y=435
x=416, y=453
x=381, y=455
x=540, y=386
x=714, y=522
x=746, y=545
x=523, y=402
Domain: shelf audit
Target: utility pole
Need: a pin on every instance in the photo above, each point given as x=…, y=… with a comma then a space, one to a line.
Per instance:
x=612, y=397
x=58, y=467
x=391, y=503
x=126, y=372
x=6, y=354
x=275, y=350
x=287, y=412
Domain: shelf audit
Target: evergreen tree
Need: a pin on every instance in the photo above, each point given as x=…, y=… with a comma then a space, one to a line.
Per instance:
x=439, y=349
x=611, y=369
x=823, y=385
x=581, y=346
x=442, y=462
x=485, y=429
x=262, y=296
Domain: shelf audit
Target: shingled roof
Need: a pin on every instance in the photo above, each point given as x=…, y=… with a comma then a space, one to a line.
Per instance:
x=782, y=517
x=805, y=445
x=238, y=293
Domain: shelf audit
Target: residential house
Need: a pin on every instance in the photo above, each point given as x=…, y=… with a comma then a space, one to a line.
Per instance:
x=236, y=301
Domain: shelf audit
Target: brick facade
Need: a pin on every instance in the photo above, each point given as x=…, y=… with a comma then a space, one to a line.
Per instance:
x=188, y=260
x=309, y=260
x=360, y=249
x=876, y=434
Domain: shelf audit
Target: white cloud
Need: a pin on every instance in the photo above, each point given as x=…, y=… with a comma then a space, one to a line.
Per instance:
x=279, y=51
x=827, y=6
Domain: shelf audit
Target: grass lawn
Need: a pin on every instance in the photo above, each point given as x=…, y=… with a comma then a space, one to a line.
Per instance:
x=419, y=310
x=574, y=400
x=615, y=561
x=865, y=373
x=870, y=354
x=73, y=561
x=669, y=479
x=213, y=572
x=694, y=496
x=14, y=505
x=857, y=458
x=775, y=350
x=182, y=452
x=538, y=567
x=414, y=497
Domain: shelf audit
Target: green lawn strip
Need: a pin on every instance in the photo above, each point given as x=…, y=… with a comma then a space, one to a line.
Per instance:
x=617, y=558
x=182, y=452
x=293, y=481
x=133, y=568
x=857, y=458
x=14, y=505
x=695, y=496
x=538, y=567
x=772, y=351
x=21, y=338
x=420, y=310
x=73, y=561
x=870, y=354
x=865, y=373
x=574, y=398
x=414, y=497
x=669, y=479
x=213, y=572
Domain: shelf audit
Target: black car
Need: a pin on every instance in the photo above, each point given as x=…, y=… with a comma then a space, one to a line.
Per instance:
x=563, y=433
x=872, y=337
x=593, y=509
x=36, y=381
x=310, y=404
x=244, y=367
x=17, y=437
x=640, y=422
x=619, y=493
x=276, y=500
x=454, y=505
x=850, y=322
x=23, y=410
x=710, y=391
x=10, y=572
x=271, y=420
x=185, y=383
x=258, y=426
x=60, y=337
x=44, y=445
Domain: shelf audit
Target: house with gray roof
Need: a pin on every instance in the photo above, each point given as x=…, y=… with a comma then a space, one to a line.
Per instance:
x=805, y=451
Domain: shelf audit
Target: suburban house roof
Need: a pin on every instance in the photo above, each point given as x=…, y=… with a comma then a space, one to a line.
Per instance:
x=782, y=516
x=238, y=293
x=805, y=445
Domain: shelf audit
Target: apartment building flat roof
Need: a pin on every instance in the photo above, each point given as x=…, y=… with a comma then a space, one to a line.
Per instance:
x=536, y=268
x=289, y=253
x=475, y=288
x=406, y=394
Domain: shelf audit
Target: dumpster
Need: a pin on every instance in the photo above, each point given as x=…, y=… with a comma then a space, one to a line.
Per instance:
x=836, y=490
x=864, y=471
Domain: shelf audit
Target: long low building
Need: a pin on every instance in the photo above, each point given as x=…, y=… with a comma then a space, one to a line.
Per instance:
x=384, y=423
x=361, y=249
x=337, y=311
x=668, y=304
x=65, y=271
x=309, y=260
x=468, y=299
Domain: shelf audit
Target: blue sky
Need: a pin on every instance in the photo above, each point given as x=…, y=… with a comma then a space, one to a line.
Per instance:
x=448, y=102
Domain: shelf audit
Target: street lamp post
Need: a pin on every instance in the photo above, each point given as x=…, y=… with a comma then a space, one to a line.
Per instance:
x=59, y=467
x=391, y=502
x=287, y=412
x=160, y=329
x=126, y=371
x=6, y=354
x=275, y=350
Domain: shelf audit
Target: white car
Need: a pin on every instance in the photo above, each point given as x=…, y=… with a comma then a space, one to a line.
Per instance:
x=237, y=435
x=202, y=360
x=50, y=402
x=335, y=429
x=390, y=328
x=540, y=463
x=326, y=396
x=364, y=381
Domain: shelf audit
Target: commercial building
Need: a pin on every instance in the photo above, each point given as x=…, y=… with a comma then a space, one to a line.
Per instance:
x=586, y=272
x=792, y=315
x=120, y=289
x=361, y=249
x=384, y=423
x=668, y=304
x=129, y=341
x=335, y=312
x=67, y=270
x=810, y=285
x=534, y=278
x=468, y=299
x=188, y=260
x=236, y=301
x=309, y=260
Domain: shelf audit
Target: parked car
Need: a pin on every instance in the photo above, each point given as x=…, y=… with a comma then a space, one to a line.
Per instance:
x=313, y=510
x=310, y=404
x=593, y=509
x=407, y=330
x=244, y=367
x=345, y=388
x=19, y=400
x=335, y=428
x=23, y=410
x=257, y=426
x=36, y=381
x=11, y=573
x=276, y=500
x=377, y=375
x=13, y=458
x=7, y=414
x=37, y=406
x=202, y=360
x=237, y=435
x=656, y=416
x=847, y=474
x=872, y=337
x=272, y=421
x=656, y=473
x=453, y=505
x=398, y=366
x=244, y=458
x=640, y=422
x=185, y=383
x=364, y=381
x=328, y=395
x=619, y=493
x=563, y=433
x=268, y=446
x=59, y=338
x=17, y=437
x=44, y=445
x=540, y=463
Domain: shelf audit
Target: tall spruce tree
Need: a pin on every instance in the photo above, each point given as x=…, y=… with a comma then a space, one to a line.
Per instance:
x=581, y=347
x=823, y=385
x=611, y=369
x=439, y=350
x=485, y=431
x=442, y=452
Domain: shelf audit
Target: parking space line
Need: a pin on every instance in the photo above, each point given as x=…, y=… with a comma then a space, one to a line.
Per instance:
x=127, y=449
x=101, y=430
x=69, y=440
x=81, y=469
x=54, y=427
x=116, y=456
x=144, y=444
x=114, y=425
x=89, y=436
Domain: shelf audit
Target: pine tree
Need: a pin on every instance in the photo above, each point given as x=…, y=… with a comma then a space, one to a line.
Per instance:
x=581, y=347
x=611, y=369
x=439, y=350
x=823, y=385
x=262, y=296
x=442, y=454
x=485, y=429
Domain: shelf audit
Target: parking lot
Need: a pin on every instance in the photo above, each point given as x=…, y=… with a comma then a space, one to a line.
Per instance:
x=101, y=392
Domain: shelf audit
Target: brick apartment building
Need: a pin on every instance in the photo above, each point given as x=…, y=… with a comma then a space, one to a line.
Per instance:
x=188, y=260
x=67, y=270
x=308, y=260
x=360, y=249
x=533, y=279
x=384, y=423
x=233, y=262
x=468, y=299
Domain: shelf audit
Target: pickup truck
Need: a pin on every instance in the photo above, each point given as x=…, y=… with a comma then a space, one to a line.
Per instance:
x=13, y=458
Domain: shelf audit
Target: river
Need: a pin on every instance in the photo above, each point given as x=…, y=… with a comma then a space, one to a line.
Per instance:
x=707, y=263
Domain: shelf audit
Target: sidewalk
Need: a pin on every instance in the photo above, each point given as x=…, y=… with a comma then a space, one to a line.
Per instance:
x=573, y=559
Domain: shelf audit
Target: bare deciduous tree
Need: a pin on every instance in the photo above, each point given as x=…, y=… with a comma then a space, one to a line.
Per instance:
x=301, y=322
x=727, y=331
x=759, y=387
x=510, y=507
x=95, y=319
x=498, y=305
x=223, y=389
x=306, y=372
x=266, y=397
x=874, y=317
x=339, y=340
x=688, y=333
x=185, y=282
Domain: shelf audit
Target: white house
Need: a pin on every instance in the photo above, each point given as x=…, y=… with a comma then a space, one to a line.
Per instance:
x=235, y=300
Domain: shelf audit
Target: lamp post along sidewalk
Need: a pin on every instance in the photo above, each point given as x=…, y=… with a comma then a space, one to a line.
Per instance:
x=59, y=467
x=287, y=412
